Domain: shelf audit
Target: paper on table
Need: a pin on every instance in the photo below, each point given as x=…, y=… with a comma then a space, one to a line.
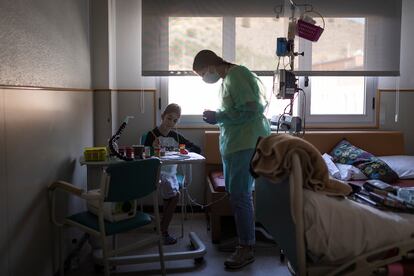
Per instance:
x=174, y=156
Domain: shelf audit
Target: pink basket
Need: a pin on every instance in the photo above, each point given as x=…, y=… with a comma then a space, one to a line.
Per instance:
x=309, y=31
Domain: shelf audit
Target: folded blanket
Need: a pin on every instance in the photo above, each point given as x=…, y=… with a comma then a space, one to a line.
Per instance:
x=273, y=159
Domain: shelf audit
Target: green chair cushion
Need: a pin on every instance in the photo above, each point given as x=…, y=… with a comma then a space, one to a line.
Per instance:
x=91, y=221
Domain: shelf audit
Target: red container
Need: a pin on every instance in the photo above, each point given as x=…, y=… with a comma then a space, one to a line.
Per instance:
x=121, y=151
x=309, y=31
x=138, y=151
x=129, y=152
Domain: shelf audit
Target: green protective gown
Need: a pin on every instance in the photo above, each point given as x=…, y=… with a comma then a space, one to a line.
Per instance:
x=240, y=116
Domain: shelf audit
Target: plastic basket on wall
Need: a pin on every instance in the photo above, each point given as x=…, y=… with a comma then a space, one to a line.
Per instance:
x=309, y=31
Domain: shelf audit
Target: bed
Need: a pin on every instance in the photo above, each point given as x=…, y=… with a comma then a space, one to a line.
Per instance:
x=356, y=239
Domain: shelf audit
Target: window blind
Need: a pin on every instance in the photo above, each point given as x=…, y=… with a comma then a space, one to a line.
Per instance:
x=370, y=47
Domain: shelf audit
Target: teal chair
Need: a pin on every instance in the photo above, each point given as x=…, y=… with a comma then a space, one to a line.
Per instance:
x=122, y=182
x=143, y=138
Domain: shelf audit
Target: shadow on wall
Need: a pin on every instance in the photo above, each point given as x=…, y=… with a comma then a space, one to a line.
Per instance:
x=37, y=216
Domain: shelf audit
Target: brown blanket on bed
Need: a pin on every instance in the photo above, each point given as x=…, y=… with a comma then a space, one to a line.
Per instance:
x=273, y=159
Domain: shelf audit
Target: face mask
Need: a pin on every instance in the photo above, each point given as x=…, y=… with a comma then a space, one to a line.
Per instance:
x=211, y=77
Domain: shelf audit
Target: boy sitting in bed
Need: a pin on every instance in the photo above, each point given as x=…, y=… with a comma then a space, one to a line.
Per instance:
x=164, y=136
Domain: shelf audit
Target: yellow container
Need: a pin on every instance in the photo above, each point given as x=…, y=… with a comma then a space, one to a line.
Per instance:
x=95, y=154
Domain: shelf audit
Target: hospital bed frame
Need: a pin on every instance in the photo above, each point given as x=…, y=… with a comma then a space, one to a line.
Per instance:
x=279, y=208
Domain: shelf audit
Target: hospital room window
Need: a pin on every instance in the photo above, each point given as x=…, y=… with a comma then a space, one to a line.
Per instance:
x=194, y=101
x=193, y=95
x=251, y=41
x=341, y=47
x=338, y=98
x=337, y=95
x=346, y=65
x=187, y=35
x=255, y=41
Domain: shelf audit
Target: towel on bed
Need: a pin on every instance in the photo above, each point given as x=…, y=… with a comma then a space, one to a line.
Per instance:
x=273, y=159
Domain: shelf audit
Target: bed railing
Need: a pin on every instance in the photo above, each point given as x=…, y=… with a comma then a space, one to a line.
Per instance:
x=279, y=208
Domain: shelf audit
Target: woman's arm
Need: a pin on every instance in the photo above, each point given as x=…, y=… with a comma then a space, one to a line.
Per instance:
x=240, y=115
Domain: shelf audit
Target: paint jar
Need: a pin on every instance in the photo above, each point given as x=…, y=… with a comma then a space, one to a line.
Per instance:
x=157, y=151
x=121, y=151
x=139, y=150
x=129, y=152
x=147, y=152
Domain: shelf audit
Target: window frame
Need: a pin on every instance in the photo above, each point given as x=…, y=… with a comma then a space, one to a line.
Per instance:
x=328, y=121
x=366, y=120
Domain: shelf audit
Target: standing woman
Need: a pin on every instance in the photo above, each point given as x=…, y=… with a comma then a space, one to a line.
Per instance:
x=241, y=122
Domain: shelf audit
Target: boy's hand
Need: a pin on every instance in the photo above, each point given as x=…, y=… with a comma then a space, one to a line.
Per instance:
x=209, y=117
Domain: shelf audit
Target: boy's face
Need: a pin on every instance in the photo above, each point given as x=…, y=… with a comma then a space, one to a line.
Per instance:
x=170, y=120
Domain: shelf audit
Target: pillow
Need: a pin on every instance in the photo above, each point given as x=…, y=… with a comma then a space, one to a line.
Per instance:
x=403, y=165
x=349, y=172
x=342, y=171
x=332, y=169
x=374, y=168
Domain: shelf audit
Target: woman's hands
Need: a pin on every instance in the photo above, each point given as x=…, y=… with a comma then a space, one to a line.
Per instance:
x=209, y=117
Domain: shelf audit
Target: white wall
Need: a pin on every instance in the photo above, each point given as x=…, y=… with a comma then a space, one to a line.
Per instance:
x=44, y=43
x=102, y=72
x=99, y=43
x=128, y=44
x=128, y=68
x=4, y=252
x=407, y=43
x=388, y=106
x=44, y=136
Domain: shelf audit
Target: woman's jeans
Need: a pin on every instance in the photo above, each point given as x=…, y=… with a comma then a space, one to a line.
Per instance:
x=239, y=185
x=243, y=210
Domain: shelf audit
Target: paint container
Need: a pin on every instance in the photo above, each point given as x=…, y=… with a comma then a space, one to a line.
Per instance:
x=147, y=152
x=129, y=152
x=157, y=151
x=139, y=150
x=121, y=151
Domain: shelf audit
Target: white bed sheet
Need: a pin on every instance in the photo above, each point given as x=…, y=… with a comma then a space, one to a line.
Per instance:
x=337, y=229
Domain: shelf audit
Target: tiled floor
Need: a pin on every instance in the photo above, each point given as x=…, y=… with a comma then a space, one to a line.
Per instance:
x=266, y=253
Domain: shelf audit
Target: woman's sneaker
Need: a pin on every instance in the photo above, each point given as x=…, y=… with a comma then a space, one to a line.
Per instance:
x=241, y=257
x=168, y=240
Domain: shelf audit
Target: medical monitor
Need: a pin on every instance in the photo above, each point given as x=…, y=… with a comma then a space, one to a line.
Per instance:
x=284, y=84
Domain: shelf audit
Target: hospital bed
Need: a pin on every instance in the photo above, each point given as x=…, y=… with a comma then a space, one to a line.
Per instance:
x=323, y=235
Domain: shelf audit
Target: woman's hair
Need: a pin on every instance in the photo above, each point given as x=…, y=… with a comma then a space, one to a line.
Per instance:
x=172, y=108
x=206, y=58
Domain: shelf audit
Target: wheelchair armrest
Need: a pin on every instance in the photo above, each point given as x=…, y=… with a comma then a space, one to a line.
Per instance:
x=71, y=189
x=66, y=186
